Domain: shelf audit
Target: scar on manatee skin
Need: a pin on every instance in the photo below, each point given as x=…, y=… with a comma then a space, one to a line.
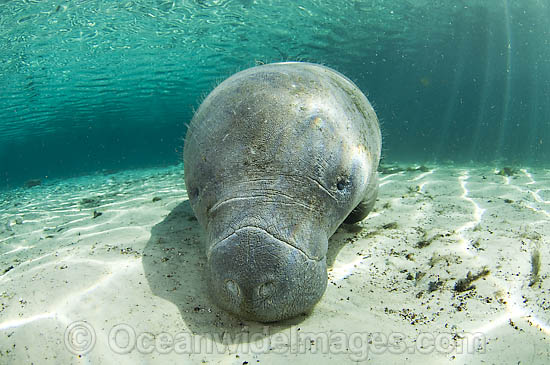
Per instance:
x=466, y=283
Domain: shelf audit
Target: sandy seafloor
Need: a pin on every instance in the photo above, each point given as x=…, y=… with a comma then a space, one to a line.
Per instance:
x=128, y=287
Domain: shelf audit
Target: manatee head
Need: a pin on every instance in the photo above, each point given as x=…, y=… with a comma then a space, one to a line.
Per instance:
x=275, y=159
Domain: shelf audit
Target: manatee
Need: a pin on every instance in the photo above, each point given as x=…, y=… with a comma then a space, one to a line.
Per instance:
x=275, y=159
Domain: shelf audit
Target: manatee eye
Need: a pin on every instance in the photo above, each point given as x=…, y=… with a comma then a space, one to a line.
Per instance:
x=341, y=183
x=194, y=193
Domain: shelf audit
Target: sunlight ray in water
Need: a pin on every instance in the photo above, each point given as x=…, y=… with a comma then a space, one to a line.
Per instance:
x=372, y=215
x=8, y=274
x=421, y=186
x=538, y=198
x=93, y=228
x=16, y=249
x=382, y=183
x=423, y=175
x=538, y=323
x=513, y=311
x=72, y=299
x=13, y=323
x=537, y=209
x=516, y=310
x=341, y=271
x=529, y=176
x=508, y=74
x=477, y=214
x=115, y=268
x=387, y=177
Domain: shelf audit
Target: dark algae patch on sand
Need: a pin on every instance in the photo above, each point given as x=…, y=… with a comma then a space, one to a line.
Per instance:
x=535, y=267
x=466, y=283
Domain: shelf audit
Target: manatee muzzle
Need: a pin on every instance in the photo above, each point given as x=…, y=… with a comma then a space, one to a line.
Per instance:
x=257, y=276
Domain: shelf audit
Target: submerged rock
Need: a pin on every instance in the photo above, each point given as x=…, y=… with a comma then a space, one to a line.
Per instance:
x=33, y=182
x=90, y=202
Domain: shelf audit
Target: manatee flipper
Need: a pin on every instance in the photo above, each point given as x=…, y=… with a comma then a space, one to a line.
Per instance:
x=364, y=207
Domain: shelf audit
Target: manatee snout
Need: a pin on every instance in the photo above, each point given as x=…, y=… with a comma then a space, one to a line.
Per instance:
x=263, y=278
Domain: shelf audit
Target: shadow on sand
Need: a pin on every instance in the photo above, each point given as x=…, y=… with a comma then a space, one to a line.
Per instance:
x=174, y=263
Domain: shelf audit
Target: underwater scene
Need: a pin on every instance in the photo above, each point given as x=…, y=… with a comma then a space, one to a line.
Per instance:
x=270, y=181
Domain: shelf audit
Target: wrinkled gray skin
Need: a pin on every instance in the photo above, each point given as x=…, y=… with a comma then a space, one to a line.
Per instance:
x=275, y=159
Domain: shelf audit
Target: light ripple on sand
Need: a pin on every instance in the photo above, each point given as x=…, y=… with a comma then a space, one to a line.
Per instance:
x=73, y=299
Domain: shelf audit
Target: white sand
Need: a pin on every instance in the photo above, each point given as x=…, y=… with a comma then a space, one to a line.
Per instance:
x=135, y=273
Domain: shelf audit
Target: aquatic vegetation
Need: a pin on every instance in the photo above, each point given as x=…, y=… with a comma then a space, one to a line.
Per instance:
x=507, y=171
x=535, y=267
x=391, y=225
x=434, y=285
x=466, y=283
x=425, y=241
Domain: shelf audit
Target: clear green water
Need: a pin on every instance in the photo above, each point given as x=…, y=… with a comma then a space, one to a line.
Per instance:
x=93, y=85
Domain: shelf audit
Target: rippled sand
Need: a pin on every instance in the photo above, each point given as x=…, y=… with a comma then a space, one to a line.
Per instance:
x=452, y=267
